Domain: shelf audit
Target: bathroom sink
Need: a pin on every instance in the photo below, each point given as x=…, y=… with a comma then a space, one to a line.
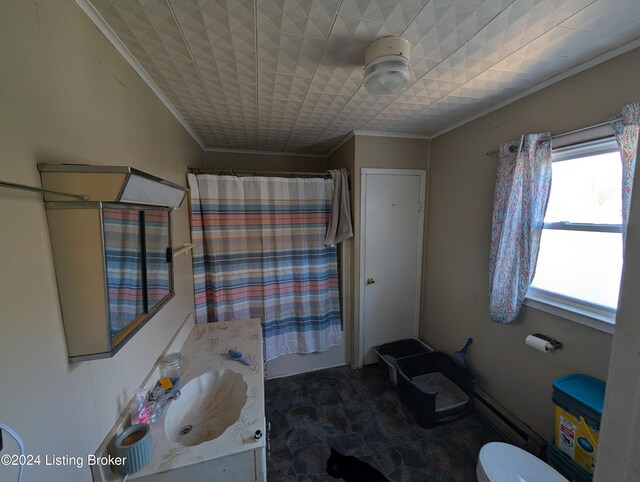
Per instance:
x=209, y=404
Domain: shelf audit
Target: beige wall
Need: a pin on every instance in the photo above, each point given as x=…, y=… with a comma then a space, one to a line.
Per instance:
x=66, y=95
x=266, y=162
x=382, y=153
x=344, y=158
x=460, y=198
x=372, y=152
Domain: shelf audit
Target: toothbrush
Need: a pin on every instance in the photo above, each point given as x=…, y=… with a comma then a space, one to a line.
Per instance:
x=236, y=355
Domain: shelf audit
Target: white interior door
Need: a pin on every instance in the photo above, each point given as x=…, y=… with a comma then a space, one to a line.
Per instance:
x=391, y=256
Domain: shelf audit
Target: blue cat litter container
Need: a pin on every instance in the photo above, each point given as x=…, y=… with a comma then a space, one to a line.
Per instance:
x=388, y=353
x=579, y=400
x=563, y=464
x=435, y=388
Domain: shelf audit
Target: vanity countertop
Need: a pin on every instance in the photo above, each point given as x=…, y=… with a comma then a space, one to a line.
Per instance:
x=205, y=350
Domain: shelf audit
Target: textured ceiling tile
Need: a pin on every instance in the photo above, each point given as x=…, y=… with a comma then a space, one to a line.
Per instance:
x=420, y=66
x=281, y=105
x=336, y=80
x=218, y=23
x=533, y=55
x=232, y=94
x=494, y=85
x=326, y=103
x=494, y=6
x=427, y=91
x=275, y=117
x=309, y=18
x=287, y=87
x=467, y=62
x=311, y=129
x=376, y=124
x=350, y=36
x=288, y=54
x=399, y=110
x=227, y=64
x=443, y=26
x=161, y=55
x=434, y=12
x=551, y=53
x=309, y=122
x=525, y=20
x=392, y=12
x=600, y=18
x=249, y=74
x=363, y=99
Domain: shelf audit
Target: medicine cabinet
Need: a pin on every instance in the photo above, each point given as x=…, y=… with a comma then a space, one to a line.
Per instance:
x=112, y=262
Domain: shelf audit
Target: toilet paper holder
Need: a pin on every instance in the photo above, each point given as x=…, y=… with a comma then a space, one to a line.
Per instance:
x=555, y=344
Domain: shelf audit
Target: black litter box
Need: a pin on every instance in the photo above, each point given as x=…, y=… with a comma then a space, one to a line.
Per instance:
x=435, y=388
x=390, y=352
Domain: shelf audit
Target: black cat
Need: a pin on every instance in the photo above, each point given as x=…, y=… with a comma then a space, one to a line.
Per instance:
x=352, y=469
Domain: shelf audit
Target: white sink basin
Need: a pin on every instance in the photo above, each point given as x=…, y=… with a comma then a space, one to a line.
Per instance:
x=209, y=404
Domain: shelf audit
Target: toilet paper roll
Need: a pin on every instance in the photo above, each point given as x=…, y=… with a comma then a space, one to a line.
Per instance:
x=538, y=344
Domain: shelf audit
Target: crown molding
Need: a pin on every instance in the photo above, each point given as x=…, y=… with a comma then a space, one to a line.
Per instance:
x=111, y=36
x=396, y=135
x=400, y=135
x=342, y=142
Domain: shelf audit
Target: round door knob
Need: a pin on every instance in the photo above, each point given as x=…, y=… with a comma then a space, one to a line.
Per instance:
x=371, y=281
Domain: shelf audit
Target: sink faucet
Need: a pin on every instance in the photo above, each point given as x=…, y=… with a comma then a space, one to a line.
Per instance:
x=159, y=399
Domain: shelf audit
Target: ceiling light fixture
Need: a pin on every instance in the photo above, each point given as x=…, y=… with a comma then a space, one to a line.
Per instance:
x=387, y=65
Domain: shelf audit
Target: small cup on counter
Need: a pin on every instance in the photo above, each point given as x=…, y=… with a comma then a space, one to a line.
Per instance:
x=134, y=445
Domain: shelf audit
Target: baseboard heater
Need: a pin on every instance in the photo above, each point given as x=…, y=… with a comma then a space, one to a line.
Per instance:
x=512, y=428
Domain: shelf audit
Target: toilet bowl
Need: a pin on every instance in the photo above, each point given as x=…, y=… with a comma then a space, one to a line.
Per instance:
x=501, y=462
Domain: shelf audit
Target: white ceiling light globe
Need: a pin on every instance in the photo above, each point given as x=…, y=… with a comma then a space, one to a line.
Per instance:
x=387, y=66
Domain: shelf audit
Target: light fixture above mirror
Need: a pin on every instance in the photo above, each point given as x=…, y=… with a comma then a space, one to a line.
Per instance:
x=121, y=184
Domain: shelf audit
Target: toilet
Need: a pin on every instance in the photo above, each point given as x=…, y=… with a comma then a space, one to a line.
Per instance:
x=501, y=462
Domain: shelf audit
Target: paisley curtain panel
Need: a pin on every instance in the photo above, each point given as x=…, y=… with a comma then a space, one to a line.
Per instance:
x=523, y=182
x=626, y=127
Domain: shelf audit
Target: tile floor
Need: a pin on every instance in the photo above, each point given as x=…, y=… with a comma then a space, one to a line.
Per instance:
x=359, y=413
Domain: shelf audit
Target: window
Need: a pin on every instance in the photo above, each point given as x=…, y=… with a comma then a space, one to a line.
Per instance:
x=580, y=259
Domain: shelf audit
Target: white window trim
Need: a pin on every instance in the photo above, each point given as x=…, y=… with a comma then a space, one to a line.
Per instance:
x=598, y=317
x=593, y=316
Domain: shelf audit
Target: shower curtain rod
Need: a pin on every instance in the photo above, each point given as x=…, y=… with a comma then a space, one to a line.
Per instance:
x=252, y=172
x=555, y=136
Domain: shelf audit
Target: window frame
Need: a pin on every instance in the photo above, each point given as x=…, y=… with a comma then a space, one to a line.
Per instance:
x=596, y=316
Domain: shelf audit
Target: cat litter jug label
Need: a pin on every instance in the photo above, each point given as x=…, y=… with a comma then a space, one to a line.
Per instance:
x=578, y=400
x=566, y=436
x=577, y=439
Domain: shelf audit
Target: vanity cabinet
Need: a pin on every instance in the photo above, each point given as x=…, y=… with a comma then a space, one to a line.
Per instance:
x=113, y=269
x=233, y=455
x=249, y=466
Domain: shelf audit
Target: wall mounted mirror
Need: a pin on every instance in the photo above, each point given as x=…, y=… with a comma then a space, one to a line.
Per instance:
x=114, y=271
x=112, y=253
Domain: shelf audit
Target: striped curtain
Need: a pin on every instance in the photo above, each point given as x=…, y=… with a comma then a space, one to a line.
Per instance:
x=156, y=237
x=259, y=252
x=523, y=182
x=124, y=266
